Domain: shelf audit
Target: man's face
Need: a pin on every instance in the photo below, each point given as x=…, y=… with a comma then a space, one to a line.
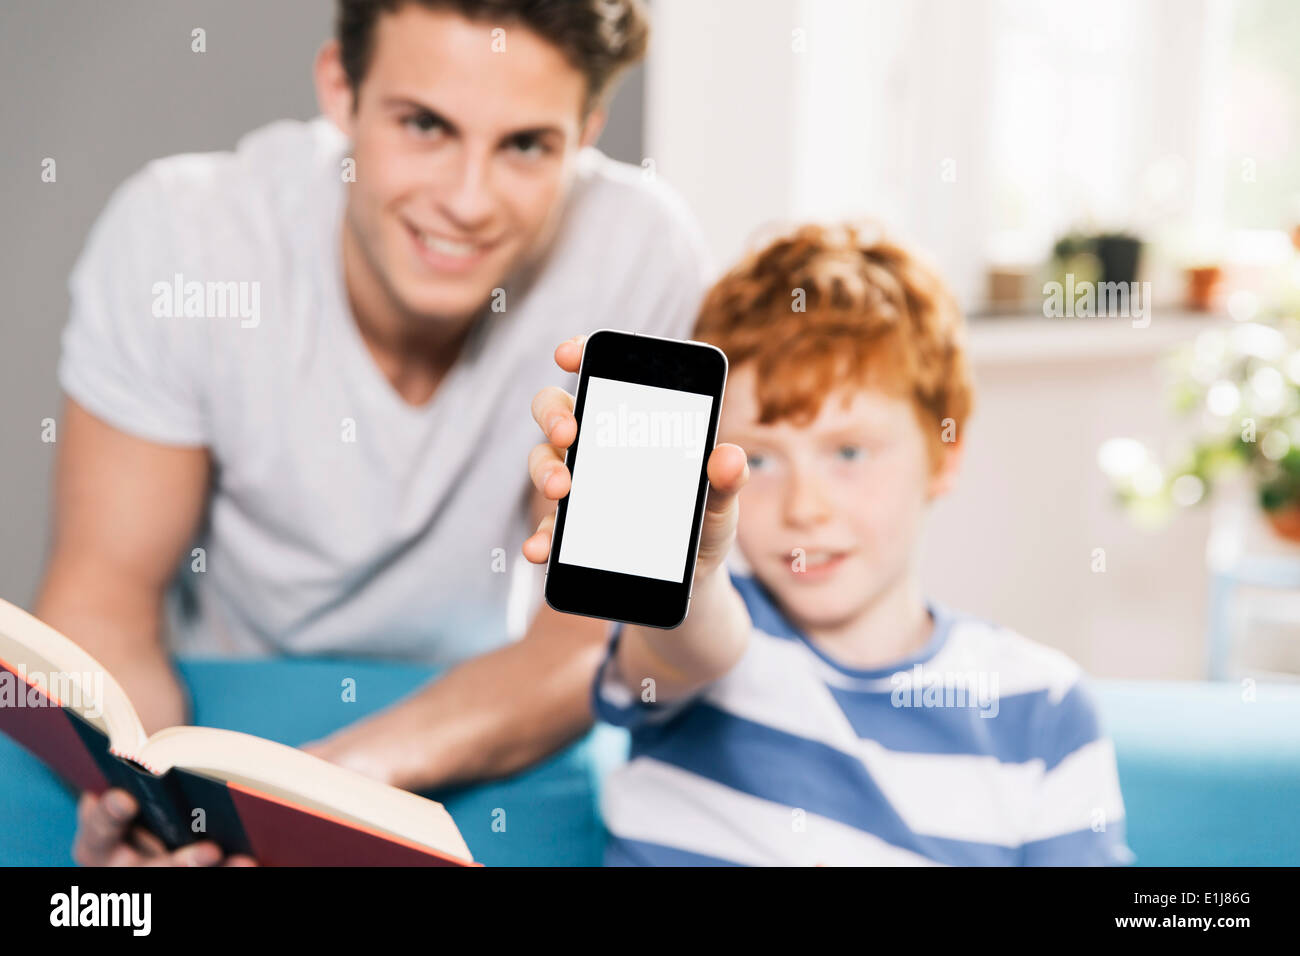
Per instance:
x=463, y=156
x=849, y=490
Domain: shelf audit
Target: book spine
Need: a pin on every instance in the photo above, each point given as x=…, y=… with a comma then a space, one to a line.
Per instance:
x=162, y=808
x=162, y=805
x=212, y=813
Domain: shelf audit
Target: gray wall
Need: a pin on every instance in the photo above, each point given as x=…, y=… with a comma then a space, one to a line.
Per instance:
x=102, y=88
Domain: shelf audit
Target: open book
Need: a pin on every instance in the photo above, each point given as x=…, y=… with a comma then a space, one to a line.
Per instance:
x=280, y=805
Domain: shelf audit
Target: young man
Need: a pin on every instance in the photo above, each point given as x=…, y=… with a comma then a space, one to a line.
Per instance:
x=817, y=708
x=311, y=352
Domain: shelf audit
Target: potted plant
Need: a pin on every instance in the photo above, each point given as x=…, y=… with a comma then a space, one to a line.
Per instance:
x=1242, y=384
x=1098, y=257
x=1203, y=283
x=1119, y=254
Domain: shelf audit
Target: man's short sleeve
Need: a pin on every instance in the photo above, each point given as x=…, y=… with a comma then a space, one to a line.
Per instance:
x=129, y=355
x=672, y=275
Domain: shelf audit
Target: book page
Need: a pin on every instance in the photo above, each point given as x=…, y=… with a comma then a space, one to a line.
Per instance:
x=67, y=674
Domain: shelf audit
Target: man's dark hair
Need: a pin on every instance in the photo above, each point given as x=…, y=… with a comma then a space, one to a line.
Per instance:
x=600, y=38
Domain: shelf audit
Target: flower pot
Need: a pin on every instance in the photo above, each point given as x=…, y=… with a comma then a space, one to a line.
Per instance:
x=1008, y=287
x=1203, y=287
x=1119, y=256
x=1286, y=522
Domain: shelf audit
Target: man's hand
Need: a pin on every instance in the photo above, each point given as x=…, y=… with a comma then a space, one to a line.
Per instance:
x=379, y=753
x=125, y=511
x=728, y=471
x=107, y=836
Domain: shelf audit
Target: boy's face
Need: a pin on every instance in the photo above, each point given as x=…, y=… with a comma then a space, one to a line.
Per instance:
x=850, y=489
x=463, y=155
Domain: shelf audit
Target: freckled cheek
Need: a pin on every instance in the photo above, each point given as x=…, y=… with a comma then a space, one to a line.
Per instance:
x=877, y=511
x=894, y=522
x=758, y=532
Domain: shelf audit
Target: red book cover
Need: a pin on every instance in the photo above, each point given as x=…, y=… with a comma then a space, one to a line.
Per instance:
x=240, y=818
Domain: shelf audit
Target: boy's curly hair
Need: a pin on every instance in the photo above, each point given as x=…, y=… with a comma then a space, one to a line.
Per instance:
x=873, y=315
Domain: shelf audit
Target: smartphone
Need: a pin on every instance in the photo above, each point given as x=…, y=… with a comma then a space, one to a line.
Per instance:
x=627, y=534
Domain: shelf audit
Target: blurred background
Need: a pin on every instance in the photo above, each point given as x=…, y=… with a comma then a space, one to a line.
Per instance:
x=1113, y=504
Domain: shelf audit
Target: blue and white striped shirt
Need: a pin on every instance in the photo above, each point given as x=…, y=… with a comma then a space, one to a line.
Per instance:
x=983, y=748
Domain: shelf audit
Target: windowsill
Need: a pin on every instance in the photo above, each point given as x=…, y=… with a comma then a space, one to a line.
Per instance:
x=1009, y=338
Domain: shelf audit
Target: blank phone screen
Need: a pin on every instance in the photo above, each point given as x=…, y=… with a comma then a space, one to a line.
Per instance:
x=635, y=478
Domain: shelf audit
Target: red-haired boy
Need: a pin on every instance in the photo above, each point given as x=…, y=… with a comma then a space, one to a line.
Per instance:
x=816, y=707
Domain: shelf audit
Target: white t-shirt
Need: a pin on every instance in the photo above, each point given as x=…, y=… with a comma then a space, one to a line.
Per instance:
x=343, y=520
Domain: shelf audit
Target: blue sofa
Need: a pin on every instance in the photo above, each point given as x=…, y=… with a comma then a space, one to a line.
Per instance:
x=1208, y=779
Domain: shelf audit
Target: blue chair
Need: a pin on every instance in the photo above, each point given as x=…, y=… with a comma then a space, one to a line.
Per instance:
x=1210, y=777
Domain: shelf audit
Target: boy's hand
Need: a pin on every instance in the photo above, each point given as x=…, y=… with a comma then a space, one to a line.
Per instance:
x=553, y=411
